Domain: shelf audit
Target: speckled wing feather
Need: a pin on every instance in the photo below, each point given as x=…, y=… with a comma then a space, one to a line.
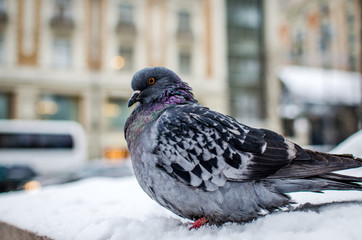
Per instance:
x=204, y=149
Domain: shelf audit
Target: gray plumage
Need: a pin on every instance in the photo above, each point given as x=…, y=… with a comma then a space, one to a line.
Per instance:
x=200, y=163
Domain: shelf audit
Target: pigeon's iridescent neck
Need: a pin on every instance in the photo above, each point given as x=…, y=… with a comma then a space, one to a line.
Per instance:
x=149, y=111
x=178, y=95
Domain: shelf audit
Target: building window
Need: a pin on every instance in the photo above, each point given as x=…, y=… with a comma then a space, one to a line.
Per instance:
x=2, y=49
x=62, y=20
x=245, y=57
x=62, y=8
x=247, y=106
x=116, y=112
x=126, y=53
x=244, y=44
x=2, y=6
x=62, y=52
x=245, y=14
x=298, y=41
x=57, y=107
x=125, y=26
x=326, y=33
x=185, y=62
x=126, y=13
x=4, y=106
x=326, y=37
x=352, y=43
x=245, y=71
x=184, y=21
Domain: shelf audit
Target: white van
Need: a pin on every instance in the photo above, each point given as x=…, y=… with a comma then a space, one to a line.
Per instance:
x=46, y=146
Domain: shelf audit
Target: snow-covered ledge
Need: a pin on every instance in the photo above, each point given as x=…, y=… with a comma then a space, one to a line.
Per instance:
x=103, y=208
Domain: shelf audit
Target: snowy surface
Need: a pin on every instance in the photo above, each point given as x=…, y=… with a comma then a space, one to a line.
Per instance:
x=351, y=145
x=103, y=208
x=109, y=208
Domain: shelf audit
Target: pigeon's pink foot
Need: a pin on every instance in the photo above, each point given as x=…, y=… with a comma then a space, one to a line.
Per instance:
x=199, y=223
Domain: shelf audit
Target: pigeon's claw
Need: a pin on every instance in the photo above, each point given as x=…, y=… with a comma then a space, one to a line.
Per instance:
x=199, y=223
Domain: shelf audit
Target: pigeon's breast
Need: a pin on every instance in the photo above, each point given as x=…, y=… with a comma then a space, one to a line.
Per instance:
x=235, y=201
x=137, y=124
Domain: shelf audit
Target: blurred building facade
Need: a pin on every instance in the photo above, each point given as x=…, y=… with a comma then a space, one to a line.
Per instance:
x=252, y=55
x=74, y=60
x=324, y=36
x=322, y=33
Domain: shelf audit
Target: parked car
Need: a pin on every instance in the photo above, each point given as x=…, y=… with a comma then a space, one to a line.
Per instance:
x=13, y=177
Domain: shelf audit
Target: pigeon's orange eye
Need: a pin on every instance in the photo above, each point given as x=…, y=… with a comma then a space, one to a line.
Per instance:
x=151, y=81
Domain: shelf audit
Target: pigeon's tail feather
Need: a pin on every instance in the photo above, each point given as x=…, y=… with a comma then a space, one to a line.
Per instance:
x=316, y=174
x=334, y=162
x=341, y=178
x=336, y=181
x=317, y=165
x=328, y=181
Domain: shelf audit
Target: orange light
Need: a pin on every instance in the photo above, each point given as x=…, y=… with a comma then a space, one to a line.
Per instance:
x=32, y=186
x=117, y=62
x=47, y=107
x=116, y=154
x=111, y=110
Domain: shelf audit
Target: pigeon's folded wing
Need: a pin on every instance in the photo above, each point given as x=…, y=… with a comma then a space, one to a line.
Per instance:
x=204, y=149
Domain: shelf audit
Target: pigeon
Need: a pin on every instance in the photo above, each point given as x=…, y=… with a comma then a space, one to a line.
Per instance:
x=208, y=167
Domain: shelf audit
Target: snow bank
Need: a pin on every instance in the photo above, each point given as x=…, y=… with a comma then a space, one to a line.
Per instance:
x=351, y=145
x=102, y=208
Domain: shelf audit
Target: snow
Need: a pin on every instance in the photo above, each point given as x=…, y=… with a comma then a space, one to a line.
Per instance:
x=322, y=86
x=108, y=208
x=351, y=145
x=117, y=208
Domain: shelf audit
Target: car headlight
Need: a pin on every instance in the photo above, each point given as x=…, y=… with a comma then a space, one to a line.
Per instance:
x=32, y=185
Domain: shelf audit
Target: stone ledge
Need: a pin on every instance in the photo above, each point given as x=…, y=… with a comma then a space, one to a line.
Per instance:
x=9, y=232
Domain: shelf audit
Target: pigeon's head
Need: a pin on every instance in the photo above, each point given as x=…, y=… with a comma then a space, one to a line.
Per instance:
x=159, y=84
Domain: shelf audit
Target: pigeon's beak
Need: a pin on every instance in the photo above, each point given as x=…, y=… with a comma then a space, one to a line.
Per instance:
x=134, y=98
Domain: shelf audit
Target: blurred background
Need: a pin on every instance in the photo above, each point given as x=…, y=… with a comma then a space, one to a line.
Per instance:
x=290, y=66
